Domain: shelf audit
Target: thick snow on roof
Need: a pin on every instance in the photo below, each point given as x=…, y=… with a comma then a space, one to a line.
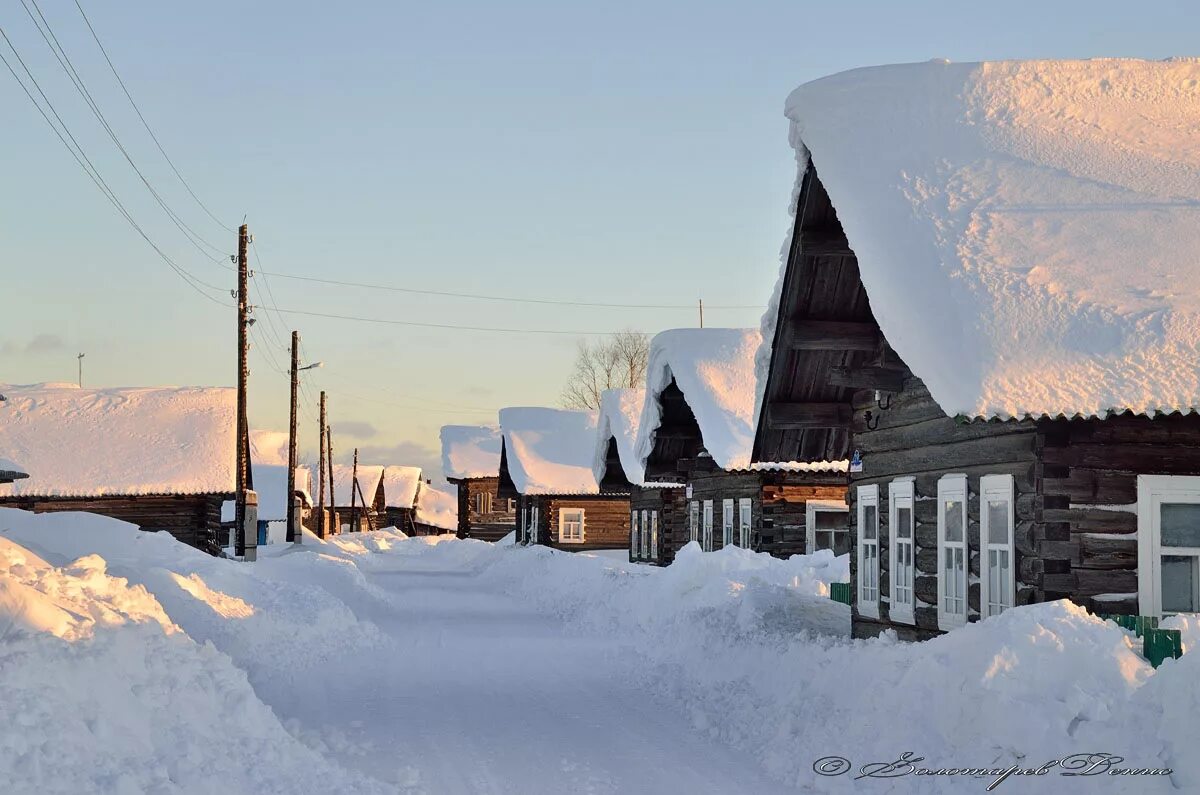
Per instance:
x=437, y=507
x=269, y=447
x=620, y=414
x=270, y=484
x=714, y=368
x=1028, y=232
x=550, y=451
x=133, y=441
x=470, y=451
x=369, y=477
x=400, y=486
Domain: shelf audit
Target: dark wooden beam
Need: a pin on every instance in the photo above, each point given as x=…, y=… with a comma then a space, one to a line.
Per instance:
x=882, y=378
x=822, y=242
x=801, y=416
x=833, y=335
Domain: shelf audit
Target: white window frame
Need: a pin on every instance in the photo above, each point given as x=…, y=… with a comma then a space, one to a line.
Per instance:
x=1152, y=492
x=654, y=535
x=953, y=487
x=645, y=539
x=524, y=523
x=868, y=554
x=483, y=503
x=706, y=541
x=811, y=509
x=562, y=522
x=745, y=522
x=533, y=524
x=902, y=590
x=993, y=488
x=634, y=543
x=694, y=520
x=726, y=523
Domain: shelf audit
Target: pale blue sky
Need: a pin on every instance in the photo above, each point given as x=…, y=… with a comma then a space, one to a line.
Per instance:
x=615, y=152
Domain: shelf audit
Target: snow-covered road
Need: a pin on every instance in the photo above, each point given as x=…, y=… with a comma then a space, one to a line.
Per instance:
x=484, y=694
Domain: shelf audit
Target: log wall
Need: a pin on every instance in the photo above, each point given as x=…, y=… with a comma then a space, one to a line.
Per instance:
x=486, y=527
x=606, y=520
x=672, y=519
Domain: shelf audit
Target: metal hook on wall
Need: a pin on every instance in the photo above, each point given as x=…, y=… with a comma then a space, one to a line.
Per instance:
x=882, y=405
x=871, y=420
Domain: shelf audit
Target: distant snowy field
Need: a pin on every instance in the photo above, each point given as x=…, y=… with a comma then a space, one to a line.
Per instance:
x=376, y=663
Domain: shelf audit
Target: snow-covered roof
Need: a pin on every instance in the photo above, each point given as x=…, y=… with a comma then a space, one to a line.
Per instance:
x=1028, y=232
x=270, y=484
x=369, y=477
x=132, y=441
x=550, y=451
x=620, y=414
x=714, y=368
x=269, y=447
x=400, y=486
x=470, y=451
x=437, y=507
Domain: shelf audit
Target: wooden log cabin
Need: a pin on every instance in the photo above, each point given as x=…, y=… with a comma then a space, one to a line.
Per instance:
x=1007, y=340
x=160, y=458
x=656, y=510
x=697, y=430
x=369, y=509
x=547, y=459
x=471, y=463
x=400, y=486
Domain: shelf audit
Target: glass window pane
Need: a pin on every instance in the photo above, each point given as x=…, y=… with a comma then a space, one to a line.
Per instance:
x=952, y=511
x=998, y=530
x=903, y=522
x=829, y=520
x=1178, y=585
x=870, y=522
x=841, y=543
x=1180, y=525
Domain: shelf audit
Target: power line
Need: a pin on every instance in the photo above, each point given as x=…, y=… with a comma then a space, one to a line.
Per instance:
x=60, y=54
x=146, y=124
x=80, y=156
x=392, y=322
x=410, y=408
x=504, y=299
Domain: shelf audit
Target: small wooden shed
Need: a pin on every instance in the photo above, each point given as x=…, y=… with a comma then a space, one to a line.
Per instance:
x=471, y=463
x=161, y=458
x=400, y=487
x=697, y=430
x=547, y=460
x=997, y=312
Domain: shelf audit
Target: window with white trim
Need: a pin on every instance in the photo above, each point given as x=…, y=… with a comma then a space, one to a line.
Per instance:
x=901, y=568
x=694, y=521
x=998, y=581
x=707, y=540
x=483, y=502
x=533, y=524
x=868, y=551
x=570, y=525
x=726, y=523
x=654, y=535
x=952, y=551
x=827, y=526
x=634, y=543
x=1168, y=545
x=745, y=522
x=645, y=534
x=524, y=526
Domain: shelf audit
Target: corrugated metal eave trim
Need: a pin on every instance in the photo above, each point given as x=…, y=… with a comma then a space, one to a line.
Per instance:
x=1107, y=414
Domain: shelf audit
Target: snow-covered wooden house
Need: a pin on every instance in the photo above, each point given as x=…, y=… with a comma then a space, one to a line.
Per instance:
x=697, y=429
x=657, y=511
x=471, y=462
x=992, y=295
x=369, y=507
x=436, y=510
x=400, y=486
x=547, y=459
x=161, y=458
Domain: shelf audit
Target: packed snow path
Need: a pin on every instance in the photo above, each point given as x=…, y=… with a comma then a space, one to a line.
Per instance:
x=485, y=695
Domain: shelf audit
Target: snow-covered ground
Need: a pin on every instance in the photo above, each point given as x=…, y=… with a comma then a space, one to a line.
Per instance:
x=375, y=663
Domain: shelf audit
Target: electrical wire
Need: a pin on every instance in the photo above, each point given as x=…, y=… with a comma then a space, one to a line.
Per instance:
x=413, y=323
x=498, y=298
x=146, y=124
x=80, y=156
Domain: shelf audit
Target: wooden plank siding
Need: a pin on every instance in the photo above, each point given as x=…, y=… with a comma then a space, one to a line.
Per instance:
x=671, y=506
x=194, y=519
x=492, y=526
x=606, y=520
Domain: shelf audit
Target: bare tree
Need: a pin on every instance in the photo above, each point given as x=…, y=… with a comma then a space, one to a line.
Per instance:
x=616, y=362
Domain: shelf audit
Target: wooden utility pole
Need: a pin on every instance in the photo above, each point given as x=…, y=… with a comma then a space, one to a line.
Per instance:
x=354, y=488
x=294, y=533
x=244, y=547
x=329, y=463
x=701, y=313
x=321, y=473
